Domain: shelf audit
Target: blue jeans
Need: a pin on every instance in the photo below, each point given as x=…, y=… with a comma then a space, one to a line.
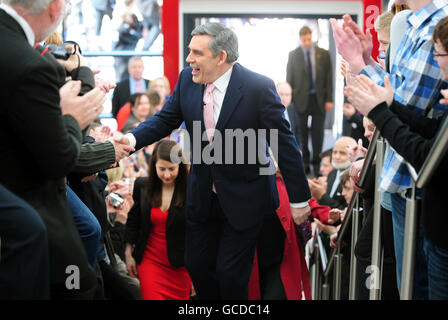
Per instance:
x=87, y=225
x=420, y=270
x=437, y=259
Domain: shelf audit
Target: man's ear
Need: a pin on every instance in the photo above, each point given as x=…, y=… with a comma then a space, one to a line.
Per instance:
x=54, y=9
x=222, y=57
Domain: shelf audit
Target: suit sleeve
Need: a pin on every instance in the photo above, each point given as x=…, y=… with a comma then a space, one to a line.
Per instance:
x=163, y=123
x=328, y=79
x=290, y=71
x=52, y=139
x=134, y=218
x=94, y=157
x=289, y=158
x=116, y=101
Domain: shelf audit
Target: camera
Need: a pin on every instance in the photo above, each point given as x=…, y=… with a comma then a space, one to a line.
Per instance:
x=115, y=199
x=59, y=52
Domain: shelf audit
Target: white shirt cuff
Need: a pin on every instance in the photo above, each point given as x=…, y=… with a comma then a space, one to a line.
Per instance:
x=299, y=205
x=131, y=139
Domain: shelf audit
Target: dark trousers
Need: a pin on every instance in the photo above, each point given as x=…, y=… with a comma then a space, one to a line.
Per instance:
x=24, y=255
x=219, y=258
x=317, y=133
x=270, y=249
x=363, y=252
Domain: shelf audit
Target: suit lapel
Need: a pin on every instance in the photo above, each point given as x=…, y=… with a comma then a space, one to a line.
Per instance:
x=232, y=97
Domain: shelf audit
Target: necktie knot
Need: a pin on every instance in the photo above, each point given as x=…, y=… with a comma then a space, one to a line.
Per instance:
x=209, y=93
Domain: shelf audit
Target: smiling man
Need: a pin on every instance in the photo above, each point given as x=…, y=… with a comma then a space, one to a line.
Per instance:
x=226, y=203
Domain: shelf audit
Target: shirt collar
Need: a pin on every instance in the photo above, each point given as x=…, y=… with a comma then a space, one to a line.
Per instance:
x=418, y=18
x=29, y=33
x=223, y=81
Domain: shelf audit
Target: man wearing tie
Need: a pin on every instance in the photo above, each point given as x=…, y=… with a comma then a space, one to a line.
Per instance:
x=309, y=73
x=134, y=84
x=226, y=201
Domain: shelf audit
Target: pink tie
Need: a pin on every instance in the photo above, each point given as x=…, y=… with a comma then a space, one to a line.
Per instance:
x=209, y=119
x=138, y=88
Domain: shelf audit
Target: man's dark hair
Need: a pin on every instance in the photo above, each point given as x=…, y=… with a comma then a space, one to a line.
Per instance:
x=326, y=153
x=304, y=31
x=440, y=33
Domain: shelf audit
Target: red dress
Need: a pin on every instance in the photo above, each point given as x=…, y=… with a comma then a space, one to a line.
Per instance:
x=159, y=280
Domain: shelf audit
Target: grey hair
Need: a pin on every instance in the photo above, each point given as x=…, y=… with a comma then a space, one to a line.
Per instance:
x=223, y=38
x=30, y=6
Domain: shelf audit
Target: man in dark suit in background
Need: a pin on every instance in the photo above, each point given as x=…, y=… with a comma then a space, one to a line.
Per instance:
x=309, y=73
x=133, y=84
x=40, y=135
x=227, y=200
x=284, y=90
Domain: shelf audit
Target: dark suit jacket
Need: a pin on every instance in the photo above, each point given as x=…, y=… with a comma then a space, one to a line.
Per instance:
x=138, y=226
x=121, y=95
x=294, y=120
x=38, y=148
x=297, y=77
x=338, y=200
x=251, y=102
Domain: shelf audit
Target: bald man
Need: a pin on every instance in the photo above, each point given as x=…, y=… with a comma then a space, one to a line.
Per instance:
x=285, y=92
x=330, y=193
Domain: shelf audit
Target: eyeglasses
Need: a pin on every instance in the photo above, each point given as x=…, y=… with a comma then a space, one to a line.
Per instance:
x=436, y=54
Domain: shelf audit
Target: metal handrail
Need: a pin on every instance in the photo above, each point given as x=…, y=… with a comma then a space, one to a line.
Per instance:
x=419, y=180
x=120, y=53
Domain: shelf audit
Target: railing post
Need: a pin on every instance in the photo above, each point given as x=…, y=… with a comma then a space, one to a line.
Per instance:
x=353, y=288
x=314, y=271
x=375, y=290
x=337, y=275
x=410, y=236
x=326, y=290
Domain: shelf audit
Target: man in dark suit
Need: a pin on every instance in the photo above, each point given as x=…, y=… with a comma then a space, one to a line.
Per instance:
x=133, y=84
x=41, y=133
x=309, y=73
x=284, y=90
x=227, y=199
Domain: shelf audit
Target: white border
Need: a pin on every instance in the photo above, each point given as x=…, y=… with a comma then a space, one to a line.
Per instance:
x=267, y=7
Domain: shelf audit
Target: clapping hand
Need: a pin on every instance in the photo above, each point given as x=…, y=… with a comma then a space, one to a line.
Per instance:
x=356, y=152
x=367, y=94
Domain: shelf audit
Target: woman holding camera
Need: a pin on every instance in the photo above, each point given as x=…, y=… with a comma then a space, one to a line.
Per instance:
x=155, y=229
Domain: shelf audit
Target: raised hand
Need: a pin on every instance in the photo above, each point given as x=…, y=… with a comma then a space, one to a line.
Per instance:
x=367, y=94
x=84, y=108
x=356, y=152
x=349, y=46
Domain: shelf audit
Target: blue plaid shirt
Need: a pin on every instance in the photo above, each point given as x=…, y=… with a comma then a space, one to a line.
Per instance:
x=416, y=79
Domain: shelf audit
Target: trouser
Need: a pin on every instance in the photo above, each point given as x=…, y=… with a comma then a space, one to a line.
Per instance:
x=24, y=254
x=420, y=268
x=270, y=249
x=363, y=252
x=87, y=225
x=317, y=133
x=219, y=258
x=437, y=260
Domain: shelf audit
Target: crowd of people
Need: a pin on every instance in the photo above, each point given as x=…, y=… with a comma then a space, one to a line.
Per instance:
x=127, y=215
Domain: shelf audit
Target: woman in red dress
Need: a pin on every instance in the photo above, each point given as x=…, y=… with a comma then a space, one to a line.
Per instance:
x=155, y=229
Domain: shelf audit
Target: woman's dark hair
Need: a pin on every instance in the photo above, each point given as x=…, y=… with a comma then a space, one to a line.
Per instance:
x=440, y=33
x=134, y=99
x=162, y=150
